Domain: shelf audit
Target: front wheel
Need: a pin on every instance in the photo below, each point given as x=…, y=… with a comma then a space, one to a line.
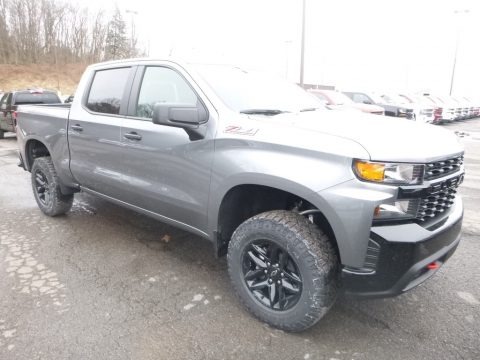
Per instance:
x=46, y=188
x=284, y=269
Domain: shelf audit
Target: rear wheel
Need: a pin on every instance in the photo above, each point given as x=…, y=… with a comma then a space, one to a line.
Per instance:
x=46, y=188
x=284, y=269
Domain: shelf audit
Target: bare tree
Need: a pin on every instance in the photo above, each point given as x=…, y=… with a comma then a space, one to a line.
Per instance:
x=56, y=32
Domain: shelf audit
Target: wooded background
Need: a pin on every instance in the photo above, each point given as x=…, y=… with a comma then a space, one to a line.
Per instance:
x=59, y=32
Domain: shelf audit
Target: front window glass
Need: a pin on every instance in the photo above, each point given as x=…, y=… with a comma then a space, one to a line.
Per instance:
x=163, y=85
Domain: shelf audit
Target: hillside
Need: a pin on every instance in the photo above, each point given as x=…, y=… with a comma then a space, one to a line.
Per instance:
x=63, y=78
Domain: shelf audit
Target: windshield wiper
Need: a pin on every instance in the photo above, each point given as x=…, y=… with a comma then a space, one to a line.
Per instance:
x=263, y=111
x=310, y=109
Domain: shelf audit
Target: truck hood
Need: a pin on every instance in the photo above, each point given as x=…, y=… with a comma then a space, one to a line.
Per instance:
x=384, y=138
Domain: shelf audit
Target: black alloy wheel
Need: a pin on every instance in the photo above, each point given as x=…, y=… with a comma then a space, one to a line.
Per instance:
x=47, y=189
x=284, y=269
x=271, y=275
x=42, y=188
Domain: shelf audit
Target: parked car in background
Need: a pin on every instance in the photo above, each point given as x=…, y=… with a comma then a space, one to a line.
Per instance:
x=428, y=107
x=448, y=109
x=467, y=109
x=337, y=100
x=452, y=103
x=10, y=101
x=374, y=99
x=421, y=113
x=474, y=107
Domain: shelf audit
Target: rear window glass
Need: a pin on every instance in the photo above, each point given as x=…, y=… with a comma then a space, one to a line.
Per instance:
x=107, y=90
x=36, y=98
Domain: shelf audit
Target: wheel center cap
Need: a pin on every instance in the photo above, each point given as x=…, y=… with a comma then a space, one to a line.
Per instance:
x=274, y=272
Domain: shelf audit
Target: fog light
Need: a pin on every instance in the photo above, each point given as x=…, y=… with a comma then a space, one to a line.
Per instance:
x=398, y=210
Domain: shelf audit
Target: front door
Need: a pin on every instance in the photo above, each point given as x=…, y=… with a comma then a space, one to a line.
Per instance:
x=165, y=172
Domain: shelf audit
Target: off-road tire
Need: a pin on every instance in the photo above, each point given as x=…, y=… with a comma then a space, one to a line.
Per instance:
x=58, y=203
x=311, y=250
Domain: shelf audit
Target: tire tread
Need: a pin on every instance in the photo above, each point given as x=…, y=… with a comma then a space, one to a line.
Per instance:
x=314, y=247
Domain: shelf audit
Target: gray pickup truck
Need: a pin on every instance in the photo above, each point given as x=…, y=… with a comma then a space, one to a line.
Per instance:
x=306, y=202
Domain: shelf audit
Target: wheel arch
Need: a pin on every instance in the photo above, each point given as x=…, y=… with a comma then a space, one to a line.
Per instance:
x=34, y=148
x=243, y=199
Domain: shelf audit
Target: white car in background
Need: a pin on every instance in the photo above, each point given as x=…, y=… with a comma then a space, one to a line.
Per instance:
x=421, y=113
x=449, y=108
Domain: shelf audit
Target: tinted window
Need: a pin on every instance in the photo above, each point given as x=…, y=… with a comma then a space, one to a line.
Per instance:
x=107, y=90
x=3, y=102
x=162, y=85
x=36, y=98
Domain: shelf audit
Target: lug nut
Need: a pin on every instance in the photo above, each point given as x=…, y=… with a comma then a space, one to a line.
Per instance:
x=270, y=281
x=265, y=271
x=268, y=264
x=282, y=274
x=279, y=282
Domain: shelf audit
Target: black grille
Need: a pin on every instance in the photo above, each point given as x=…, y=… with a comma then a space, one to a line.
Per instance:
x=442, y=168
x=373, y=252
x=440, y=199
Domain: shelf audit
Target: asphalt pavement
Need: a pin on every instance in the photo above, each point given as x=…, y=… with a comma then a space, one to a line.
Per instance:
x=106, y=283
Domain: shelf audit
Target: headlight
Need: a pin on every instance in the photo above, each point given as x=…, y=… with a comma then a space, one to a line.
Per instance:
x=389, y=173
x=398, y=210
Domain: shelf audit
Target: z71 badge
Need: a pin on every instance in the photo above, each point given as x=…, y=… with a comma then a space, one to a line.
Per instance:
x=233, y=129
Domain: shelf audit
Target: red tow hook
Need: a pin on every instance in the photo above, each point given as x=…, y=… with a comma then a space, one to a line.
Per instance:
x=434, y=265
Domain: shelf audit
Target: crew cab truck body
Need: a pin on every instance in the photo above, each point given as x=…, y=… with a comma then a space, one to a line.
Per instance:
x=11, y=100
x=306, y=202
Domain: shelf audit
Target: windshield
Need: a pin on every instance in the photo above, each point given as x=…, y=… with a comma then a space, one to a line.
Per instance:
x=255, y=92
x=337, y=98
x=376, y=98
x=394, y=99
x=421, y=100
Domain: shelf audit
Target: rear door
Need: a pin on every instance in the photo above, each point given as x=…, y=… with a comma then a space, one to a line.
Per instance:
x=163, y=170
x=94, y=131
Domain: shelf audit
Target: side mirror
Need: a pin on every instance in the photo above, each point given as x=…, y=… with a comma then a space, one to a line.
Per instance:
x=367, y=102
x=192, y=118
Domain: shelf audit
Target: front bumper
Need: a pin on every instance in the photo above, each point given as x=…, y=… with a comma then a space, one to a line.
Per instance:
x=401, y=255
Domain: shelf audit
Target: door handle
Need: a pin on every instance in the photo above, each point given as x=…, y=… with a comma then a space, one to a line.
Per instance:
x=133, y=136
x=76, y=127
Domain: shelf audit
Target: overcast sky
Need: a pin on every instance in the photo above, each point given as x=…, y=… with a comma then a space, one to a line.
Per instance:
x=406, y=45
